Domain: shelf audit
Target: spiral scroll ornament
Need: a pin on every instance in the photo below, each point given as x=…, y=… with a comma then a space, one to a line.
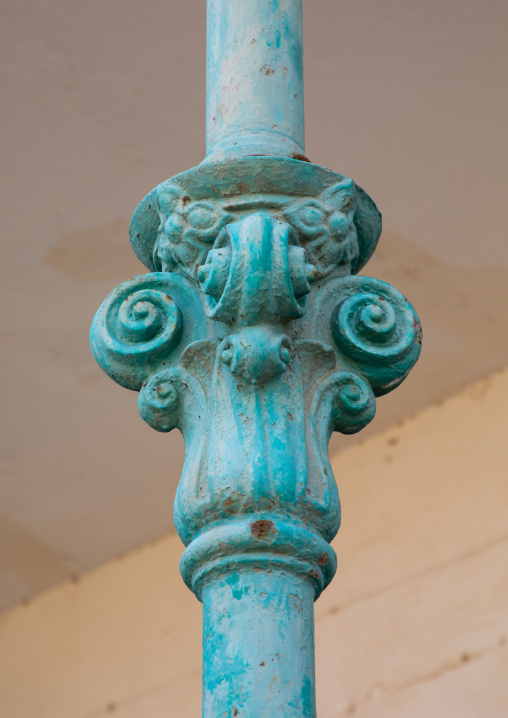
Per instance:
x=352, y=402
x=376, y=327
x=159, y=401
x=137, y=326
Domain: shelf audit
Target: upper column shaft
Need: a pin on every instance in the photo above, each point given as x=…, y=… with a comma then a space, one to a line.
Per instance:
x=254, y=78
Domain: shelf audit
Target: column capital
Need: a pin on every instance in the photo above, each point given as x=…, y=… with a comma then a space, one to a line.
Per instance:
x=254, y=336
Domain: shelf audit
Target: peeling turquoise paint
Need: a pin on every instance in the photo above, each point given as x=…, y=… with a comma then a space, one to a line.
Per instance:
x=275, y=619
x=253, y=334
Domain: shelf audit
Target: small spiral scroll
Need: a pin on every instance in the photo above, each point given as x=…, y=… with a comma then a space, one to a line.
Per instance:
x=158, y=401
x=353, y=404
x=376, y=327
x=137, y=326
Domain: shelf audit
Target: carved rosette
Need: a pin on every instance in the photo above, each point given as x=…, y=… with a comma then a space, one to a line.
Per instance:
x=254, y=337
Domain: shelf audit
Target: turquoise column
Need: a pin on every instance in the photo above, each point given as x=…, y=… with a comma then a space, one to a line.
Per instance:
x=274, y=618
x=253, y=334
x=254, y=88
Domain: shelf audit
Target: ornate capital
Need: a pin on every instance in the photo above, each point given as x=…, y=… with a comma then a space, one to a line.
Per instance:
x=254, y=336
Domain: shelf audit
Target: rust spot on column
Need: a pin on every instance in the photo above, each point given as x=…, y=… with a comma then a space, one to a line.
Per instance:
x=263, y=529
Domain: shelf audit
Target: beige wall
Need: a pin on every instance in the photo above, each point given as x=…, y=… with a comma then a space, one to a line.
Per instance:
x=415, y=624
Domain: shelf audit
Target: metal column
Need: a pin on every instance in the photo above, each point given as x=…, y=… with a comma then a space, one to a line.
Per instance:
x=253, y=334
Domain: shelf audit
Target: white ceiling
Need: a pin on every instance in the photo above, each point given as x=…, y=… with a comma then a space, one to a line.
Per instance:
x=103, y=100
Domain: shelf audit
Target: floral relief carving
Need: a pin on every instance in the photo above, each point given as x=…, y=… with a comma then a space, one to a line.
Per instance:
x=187, y=230
x=324, y=225
x=326, y=228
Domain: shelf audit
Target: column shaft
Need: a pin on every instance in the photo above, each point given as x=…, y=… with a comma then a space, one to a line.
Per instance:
x=254, y=78
x=258, y=646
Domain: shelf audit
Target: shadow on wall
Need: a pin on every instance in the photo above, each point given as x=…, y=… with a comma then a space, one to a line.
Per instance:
x=102, y=252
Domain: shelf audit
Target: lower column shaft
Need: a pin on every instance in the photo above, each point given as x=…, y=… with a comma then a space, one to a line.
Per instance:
x=254, y=78
x=258, y=646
